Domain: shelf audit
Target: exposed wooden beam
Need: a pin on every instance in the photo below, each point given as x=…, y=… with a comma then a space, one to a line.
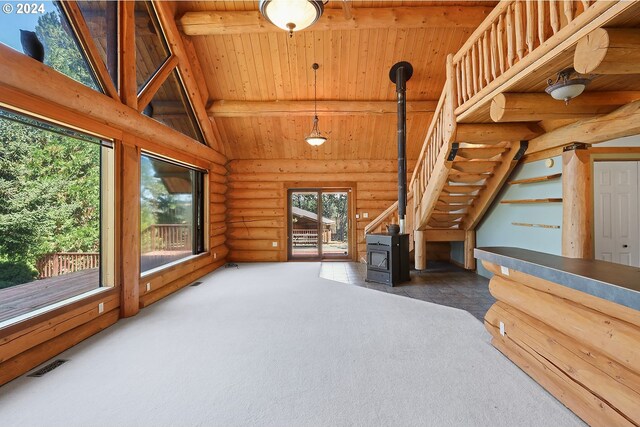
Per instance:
x=305, y=108
x=625, y=121
x=533, y=107
x=21, y=75
x=189, y=68
x=158, y=79
x=127, y=40
x=494, y=133
x=608, y=51
x=243, y=22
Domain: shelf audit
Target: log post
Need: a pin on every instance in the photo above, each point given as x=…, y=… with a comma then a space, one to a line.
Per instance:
x=130, y=249
x=577, y=203
x=608, y=51
x=420, y=247
x=469, y=246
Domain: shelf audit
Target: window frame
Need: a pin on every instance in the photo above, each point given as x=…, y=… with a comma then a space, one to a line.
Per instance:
x=109, y=269
x=200, y=224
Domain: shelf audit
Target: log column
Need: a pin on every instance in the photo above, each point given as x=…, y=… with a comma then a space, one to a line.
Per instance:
x=420, y=247
x=577, y=203
x=130, y=249
x=469, y=245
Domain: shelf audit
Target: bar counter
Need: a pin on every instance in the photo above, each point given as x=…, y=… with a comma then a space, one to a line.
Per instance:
x=573, y=325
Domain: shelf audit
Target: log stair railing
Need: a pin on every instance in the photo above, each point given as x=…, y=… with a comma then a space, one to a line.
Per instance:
x=454, y=181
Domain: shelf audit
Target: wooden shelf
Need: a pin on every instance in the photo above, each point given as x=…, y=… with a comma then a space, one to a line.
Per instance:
x=526, y=224
x=523, y=201
x=537, y=179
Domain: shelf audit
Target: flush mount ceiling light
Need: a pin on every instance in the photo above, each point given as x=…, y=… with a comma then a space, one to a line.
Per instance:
x=565, y=88
x=315, y=138
x=291, y=15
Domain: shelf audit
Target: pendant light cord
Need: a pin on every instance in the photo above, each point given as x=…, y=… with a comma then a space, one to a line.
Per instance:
x=315, y=67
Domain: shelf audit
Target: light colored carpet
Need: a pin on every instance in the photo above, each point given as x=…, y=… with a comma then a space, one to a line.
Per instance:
x=275, y=345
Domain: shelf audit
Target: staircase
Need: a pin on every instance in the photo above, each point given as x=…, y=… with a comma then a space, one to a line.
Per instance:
x=460, y=170
x=467, y=156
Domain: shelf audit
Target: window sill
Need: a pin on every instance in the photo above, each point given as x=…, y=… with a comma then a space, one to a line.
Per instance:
x=56, y=308
x=155, y=271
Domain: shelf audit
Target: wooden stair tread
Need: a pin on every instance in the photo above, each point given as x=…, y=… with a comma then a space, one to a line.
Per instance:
x=461, y=189
x=468, y=177
x=474, y=166
x=480, y=152
x=447, y=209
x=453, y=200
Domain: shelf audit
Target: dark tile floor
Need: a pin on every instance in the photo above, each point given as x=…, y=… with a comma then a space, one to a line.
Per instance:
x=442, y=283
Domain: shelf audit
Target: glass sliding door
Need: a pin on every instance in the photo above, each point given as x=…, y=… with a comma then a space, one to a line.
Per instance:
x=335, y=216
x=318, y=224
x=303, y=224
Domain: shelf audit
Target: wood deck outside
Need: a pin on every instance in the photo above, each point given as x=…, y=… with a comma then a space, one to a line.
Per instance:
x=21, y=299
x=31, y=296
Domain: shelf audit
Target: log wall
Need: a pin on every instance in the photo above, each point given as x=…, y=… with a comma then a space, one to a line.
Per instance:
x=257, y=200
x=584, y=350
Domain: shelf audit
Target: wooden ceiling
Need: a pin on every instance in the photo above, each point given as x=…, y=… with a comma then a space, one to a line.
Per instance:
x=354, y=65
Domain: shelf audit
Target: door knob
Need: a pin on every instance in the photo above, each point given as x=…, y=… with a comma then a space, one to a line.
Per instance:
x=625, y=246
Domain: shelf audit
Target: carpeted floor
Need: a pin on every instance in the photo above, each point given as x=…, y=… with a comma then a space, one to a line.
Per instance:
x=275, y=345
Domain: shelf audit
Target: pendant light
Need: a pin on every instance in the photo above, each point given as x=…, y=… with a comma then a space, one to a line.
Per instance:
x=291, y=15
x=566, y=88
x=315, y=138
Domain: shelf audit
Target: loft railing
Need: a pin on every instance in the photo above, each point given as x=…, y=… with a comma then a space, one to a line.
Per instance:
x=512, y=32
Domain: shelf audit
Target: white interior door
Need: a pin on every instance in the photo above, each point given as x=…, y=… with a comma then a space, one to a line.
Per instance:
x=616, y=218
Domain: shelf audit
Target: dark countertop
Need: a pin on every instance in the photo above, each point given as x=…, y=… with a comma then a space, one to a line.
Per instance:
x=614, y=282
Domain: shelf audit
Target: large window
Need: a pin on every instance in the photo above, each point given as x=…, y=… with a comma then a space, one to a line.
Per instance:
x=56, y=215
x=171, y=212
x=42, y=31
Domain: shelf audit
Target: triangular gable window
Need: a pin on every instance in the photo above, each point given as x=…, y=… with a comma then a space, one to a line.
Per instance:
x=101, y=18
x=170, y=106
x=41, y=30
x=151, y=47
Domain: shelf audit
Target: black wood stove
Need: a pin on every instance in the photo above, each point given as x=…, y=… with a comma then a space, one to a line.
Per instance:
x=388, y=258
x=388, y=254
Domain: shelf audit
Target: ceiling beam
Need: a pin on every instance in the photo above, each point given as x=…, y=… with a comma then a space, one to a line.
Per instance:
x=306, y=108
x=608, y=51
x=625, y=121
x=534, y=107
x=492, y=133
x=243, y=22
